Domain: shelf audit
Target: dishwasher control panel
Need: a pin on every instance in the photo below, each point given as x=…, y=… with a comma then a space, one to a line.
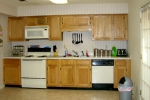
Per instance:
x=102, y=62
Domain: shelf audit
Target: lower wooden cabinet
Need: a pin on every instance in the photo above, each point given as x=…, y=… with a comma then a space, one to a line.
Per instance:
x=69, y=73
x=83, y=73
x=53, y=73
x=121, y=68
x=12, y=71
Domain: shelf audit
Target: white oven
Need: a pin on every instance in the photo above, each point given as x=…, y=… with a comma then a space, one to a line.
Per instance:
x=33, y=73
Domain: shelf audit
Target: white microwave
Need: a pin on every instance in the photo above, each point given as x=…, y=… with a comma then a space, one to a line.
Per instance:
x=37, y=32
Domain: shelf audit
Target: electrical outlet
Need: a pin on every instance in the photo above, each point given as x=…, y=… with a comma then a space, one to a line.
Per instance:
x=64, y=46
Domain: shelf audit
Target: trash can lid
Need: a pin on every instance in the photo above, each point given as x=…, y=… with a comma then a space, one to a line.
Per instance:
x=126, y=81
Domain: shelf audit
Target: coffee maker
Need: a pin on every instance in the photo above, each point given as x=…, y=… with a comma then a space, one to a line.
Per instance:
x=122, y=53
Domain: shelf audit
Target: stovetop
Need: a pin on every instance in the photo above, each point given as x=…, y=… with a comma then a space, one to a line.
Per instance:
x=38, y=53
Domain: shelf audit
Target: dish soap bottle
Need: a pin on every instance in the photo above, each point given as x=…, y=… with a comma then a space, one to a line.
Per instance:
x=66, y=52
x=114, y=51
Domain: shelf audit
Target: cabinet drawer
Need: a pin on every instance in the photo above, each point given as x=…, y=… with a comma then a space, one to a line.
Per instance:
x=82, y=62
x=12, y=61
x=120, y=62
x=52, y=62
x=66, y=62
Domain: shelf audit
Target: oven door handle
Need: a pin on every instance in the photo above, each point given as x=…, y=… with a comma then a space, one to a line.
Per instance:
x=33, y=60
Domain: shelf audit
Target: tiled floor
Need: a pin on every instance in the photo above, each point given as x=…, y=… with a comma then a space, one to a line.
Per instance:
x=11, y=93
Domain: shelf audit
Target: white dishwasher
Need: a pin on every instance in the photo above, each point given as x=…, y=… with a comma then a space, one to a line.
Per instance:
x=102, y=73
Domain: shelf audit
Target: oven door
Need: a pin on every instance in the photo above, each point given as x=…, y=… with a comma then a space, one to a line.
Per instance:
x=33, y=68
x=33, y=73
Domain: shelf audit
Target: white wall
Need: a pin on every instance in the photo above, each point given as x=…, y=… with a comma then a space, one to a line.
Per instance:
x=8, y=9
x=134, y=43
x=6, y=44
x=105, y=8
x=67, y=40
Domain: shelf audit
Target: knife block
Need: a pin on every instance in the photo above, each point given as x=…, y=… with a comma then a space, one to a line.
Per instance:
x=55, y=53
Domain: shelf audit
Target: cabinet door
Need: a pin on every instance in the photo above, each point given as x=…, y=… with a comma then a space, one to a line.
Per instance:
x=83, y=73
x=55, y=33
x=102, y=27
x=67, y=73
x=83, y=21
x=122, y=68
x=120, y=27
x=30, y=21
x=120, y=71
x=12, y=71
x=67, y=21
x=52, y=73
x=16, y=28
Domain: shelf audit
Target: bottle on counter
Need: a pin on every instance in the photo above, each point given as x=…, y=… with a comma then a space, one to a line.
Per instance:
x=66, y=52
x=114, y=51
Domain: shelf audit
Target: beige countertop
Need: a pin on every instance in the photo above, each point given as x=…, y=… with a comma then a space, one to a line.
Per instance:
x=60, y=57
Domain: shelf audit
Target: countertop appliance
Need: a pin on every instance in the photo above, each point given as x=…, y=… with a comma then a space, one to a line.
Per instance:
x=122, y=53
x=33, y=68
x=36, y=32
x=102, y=73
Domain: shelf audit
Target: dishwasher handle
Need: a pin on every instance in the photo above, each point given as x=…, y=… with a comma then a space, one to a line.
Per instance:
x=32, y=59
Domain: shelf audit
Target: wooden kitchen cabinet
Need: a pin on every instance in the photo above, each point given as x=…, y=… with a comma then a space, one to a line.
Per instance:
x=120, y=27
x=102, y=27
x=53, y=69
x=83, y=73
x=76, y=22
x=12, y=71
x=16, y=28
x=67, y=73
x=55, y=30
x=36, y=20
x=121, y=68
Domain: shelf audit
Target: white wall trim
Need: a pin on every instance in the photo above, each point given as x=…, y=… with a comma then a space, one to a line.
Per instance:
x=2, y=86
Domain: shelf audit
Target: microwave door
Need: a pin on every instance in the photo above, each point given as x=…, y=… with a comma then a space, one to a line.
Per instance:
x=34, y=33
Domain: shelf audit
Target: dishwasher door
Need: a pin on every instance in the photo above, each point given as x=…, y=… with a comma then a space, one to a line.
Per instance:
x=103, y=74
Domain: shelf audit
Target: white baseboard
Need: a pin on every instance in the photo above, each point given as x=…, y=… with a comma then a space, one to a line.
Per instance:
x=2, y=86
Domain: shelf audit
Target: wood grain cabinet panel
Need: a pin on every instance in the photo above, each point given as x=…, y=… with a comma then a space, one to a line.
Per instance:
x=83, y=73
x=37, y=20
x=102, y=27
x=120, y=27
x=76, y=22
x=12, y=71
x=67, y=73
x=53, y=73
x=16, y=28
x=121, y=68
x=55, y=30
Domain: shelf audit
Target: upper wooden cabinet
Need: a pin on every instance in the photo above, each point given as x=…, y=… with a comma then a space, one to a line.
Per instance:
x=37, y=20
x=109, y=27
x=12, y=71
x=16, y=28
x=120, y=27
x=102, y=27
x=55, y=30
x=121, y=68
x=80, y=22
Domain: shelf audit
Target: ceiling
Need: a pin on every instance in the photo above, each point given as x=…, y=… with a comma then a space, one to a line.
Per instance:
x=19, y=3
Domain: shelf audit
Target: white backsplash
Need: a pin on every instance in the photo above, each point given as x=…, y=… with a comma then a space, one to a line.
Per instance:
x=87, y=44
